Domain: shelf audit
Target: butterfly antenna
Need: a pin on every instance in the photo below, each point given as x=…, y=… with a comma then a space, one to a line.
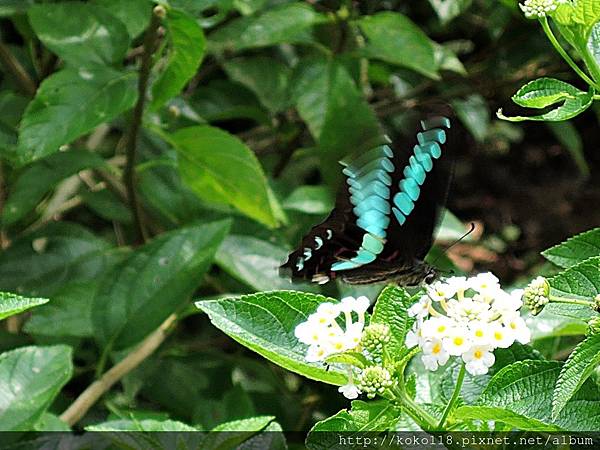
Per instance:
x=471, y=229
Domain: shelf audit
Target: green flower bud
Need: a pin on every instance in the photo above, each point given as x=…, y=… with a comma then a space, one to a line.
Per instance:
x=374, y=380
x=374, y=337
x=535, y=295
x=593, y=326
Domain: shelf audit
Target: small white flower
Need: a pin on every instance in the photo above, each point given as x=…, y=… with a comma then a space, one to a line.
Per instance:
x=353, y=335
x=458, y=284
x=457, y=342
x=434, y=354
x=361, y=304
x=480, y=332
x=316, y=353
x=414, y=337
x=501, y=336
x=350, y=391
x=518, y=327
x=478, y=359
x=420, y=309
x=326, y=313
x=437, y=327
x=484, y=283
x=539, y=8
x=440, y=291
x=309, y=333
x=508, y=303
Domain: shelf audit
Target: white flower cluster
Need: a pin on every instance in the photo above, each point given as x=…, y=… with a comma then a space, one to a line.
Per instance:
x=324, y=335
x=467, y=318
x=534, y=9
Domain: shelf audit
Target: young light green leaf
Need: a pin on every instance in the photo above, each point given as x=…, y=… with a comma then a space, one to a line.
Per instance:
x=394, y=38
x=40, y=262
x=11, y=304
x=187, y=44
x=135, y=14
x=575, y=250
x=219, y=167
x=268, y=78
x=580, y=280
x=572, y=107
x=288, y=22
x=545, y=92
x=70, y=103
x=39, y=178
x=586, y=12
x=255, y=262
x=447, y=10
x=391, y=309
x=310, y=200
x=352, y=358
x=31, y=378
x=502, y=415
x=137, y=295
x=80, y=33
x=233, y=434
x=265, y=323
x=580, y=365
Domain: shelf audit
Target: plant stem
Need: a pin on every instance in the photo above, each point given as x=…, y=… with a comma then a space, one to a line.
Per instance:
x=572, y=301
x=94, y=391
x=454, y=398
x=150, y=40
x=564, y=54
x=425, y=420
x=13, y=66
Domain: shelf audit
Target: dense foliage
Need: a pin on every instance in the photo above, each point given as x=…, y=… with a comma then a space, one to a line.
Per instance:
x=160, y=159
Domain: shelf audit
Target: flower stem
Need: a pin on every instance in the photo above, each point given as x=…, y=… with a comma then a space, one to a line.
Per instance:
x=572, y=301
x=454, y=398
x=563, y=53
x=425, y=420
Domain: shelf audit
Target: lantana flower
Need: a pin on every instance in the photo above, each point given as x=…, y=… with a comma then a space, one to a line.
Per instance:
x=534, y=9
x=466, y=318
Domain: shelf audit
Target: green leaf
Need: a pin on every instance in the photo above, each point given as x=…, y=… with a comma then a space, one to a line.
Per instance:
x=232, y=434
x=364, y=417
x=107, y=205
x=593, y=45
x=51, y=422
x=146, y=425
x=187, y=45
x=253, y=424
x=70, y=103
x=69, y=313
x=566, y=133
x=137, y=295
x=353, y=358
x=580, y=365
x=268, y=78
x=526, y=388
x=31, y=378
x=586, y=12
x=11, y=304
x=447, y=10
x=286, y=23
x=80, y=33
x=40, y=262
x=545, y=92
x=391, y=309
x=575, y=250
x=36, y=180
x=581, y=280
x=310, y=200
x=219, y=167
x=506, y=416
x=135, y=14
x=394, y=38
x=11, y=7
x=255, y=262
x=473, y=112
x=265, y=323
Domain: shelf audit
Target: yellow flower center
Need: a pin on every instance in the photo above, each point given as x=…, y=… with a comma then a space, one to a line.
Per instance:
x=477, y=354
x=441, y=328
x=497, y=335
x=339, y=345
x=458, y=340
x=513, y=325
x=436, y=349
x=479, y=333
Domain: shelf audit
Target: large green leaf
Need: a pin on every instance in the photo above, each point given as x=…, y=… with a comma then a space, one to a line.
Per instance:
x=187, y=44
x=265, y=323
x=310, y=200
x=255, y=262
x=506, y=416
x=70, y=103
x=140, y=293
x=526, y=388
x=80, y=33
x=593, y=45
x=10, y=7
x=146, y=425
x=575, y=249
x=392, y=309
x=40, y=262
x=69, y=313
x=394, y=38
x=239, y=433
x=11, y=304
x=135, y=14
x=580, y=280
x=586, y=12
x=268, y=78
x=31, y=379
x=40, y=177
x=580, y=365
x=288, y=23
x=219, y=167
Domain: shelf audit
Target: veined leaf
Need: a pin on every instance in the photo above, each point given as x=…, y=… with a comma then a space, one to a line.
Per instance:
x=80, y=33
x=135, y=14
x=575, y=250
x=580, y=280
x=186, y=50
x=586, y=12
x=502, y=415
x=580, y=365
x=70, y=103
x=391, y=309
x=141, y=292
x=31, y=378
x=146, y=425
x=265, y=323
x=11, y=304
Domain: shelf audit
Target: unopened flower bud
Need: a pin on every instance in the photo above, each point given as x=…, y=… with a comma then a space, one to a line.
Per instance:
x=535, y=295
x=534, y=9
x=593, y=326
x=374, y=380
x=160, y=11
x=375, y=336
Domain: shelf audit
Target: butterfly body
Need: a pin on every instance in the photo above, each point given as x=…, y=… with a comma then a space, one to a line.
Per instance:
x=382, y=225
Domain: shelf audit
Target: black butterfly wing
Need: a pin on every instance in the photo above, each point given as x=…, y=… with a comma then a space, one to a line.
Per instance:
x=385, y=215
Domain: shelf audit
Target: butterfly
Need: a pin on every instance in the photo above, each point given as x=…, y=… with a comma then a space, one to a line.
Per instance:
x=385, y=215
